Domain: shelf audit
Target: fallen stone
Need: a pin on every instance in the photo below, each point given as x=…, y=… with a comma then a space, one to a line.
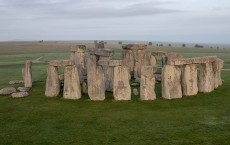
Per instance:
x=19, y=95
x=16, y=82
x=7, y=91
x=23, y=89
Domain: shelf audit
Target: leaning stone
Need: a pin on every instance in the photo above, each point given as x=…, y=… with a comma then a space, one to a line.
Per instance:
x=28, y=74
x=7, y=91
x=135, y=92
x=206, y=78
x=23, y=89
x=171, y=82
x=95, y=80
x=121, y=87
x=52, y=82
x=147, y=85
x=19, y=95
x=189, y=80
x=72, y=88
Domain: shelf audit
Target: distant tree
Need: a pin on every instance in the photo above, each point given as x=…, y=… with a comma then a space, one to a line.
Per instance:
x=170, y=45
x=150, y=43
x=183, y=45
x=198, y=46
x=157, y=44
x=40, y=41
x=120, y=42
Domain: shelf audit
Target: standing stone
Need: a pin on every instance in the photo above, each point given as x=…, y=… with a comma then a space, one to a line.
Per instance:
x=141, y=60
x=84, y=88
x=189, y=80
x=171, y=82
x=217, y=67
x=135, y=92
x=28, y=74
x=52, y=82
x=163, y=60
x=78, y=56
x=147, y=85
x=121, y=87
x=129, y=60
x=206, y=78
x=72, y=88
x=95, y=80
x=153, y=61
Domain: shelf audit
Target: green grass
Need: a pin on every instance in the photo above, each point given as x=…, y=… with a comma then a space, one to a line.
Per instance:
x=202, y=119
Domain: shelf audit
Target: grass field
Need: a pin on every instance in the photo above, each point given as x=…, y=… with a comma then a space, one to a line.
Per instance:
x=202, y=119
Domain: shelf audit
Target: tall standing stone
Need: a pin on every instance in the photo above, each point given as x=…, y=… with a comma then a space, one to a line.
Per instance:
x=217, y=67
x=129, y=60
x=72, y=88
x=153, y=61
x=141, y=60
x=189, y=80
x=28, y=74
x=171, y=82
x=52, y=82
x=147, y=85
x=95, y=80
x=206, y=78
x=121, y=87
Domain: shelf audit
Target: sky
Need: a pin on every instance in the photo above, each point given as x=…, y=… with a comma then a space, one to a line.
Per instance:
x=198, y=21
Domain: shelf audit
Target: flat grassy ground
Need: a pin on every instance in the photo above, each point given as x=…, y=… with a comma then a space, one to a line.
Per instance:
x=202, y=119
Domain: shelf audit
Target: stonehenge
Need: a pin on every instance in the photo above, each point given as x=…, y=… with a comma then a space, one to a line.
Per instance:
x=101, y=72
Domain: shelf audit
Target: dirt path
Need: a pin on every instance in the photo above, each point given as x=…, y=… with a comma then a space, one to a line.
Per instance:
x=38, y=60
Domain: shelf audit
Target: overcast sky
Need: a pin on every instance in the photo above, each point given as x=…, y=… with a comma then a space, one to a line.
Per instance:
x=151, y=20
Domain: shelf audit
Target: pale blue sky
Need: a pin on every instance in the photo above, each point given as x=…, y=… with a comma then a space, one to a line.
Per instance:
x=196, y=21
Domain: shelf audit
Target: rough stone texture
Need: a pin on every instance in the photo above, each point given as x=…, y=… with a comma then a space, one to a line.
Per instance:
x=95, y=80
x=128, y=60
x=189, y=80
x=72, y=88
x=84, y=88
x=19, y=95
x=7, y=91
x=159, y=53
x=78, y=56
x=206, y=78
x=61, y=63
x=52, y=82
x=121, y=87
x=217, y=67
x=108, y=62
x=28, y=74
x=170, y=57
x=147, y=85
x=104, y=52
x=153, y=61
x=141, y=60
x=171, y=82
x=23, y=89
x=135, y=92
x=16, y=82
x=99, y=45
x=61, y=77
x=194, y=60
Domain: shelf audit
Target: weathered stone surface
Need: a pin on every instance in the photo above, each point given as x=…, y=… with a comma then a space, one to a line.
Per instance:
x=121, y=87
x=129, y=60
x=52, y=82
x=134, y=47
x=84, y=88
x=159, y=53
x=141, y=60
x=19, y=94
x=170, y=57
x=206, y=78
x=189, y=80
x=171, y=82
x=95, y=80
x=147, y=85
x=153, y=61
x=7, y=91
x=16, y=82
x=194, y=60
x=61, y=63
x=61, y=77
x=72, y=88
x=217, y=67
x=104, y=52
x=100, y=45
x=23, y=89
x=135, y=92
x=78, y=48
x=110, y=63
x=28, y=74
